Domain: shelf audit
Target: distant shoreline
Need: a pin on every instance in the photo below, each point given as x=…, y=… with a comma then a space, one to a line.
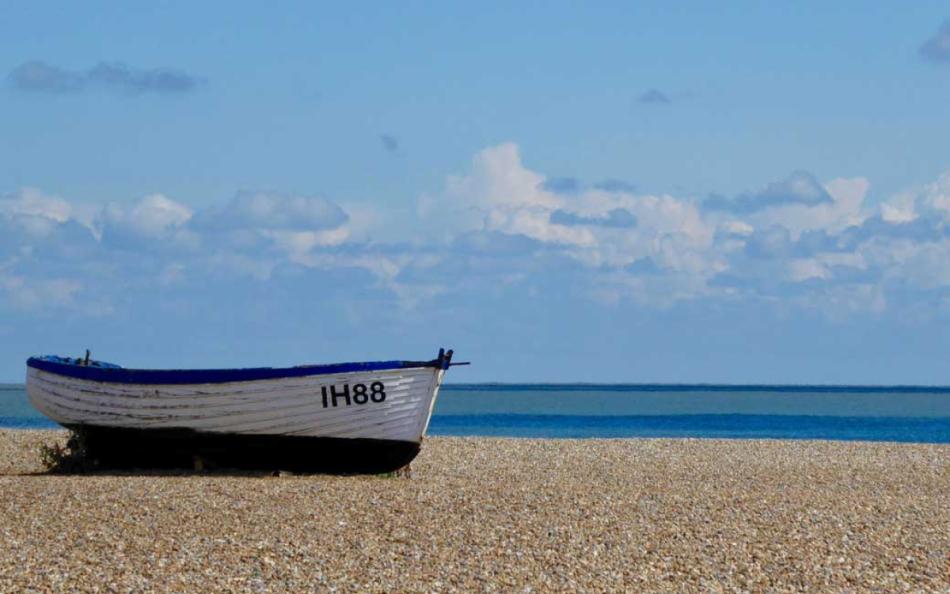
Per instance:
x=912, y=430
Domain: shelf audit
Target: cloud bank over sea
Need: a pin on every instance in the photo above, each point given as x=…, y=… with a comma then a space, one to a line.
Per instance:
x=796, y=243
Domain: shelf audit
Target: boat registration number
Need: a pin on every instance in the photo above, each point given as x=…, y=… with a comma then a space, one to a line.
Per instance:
x=346, y=395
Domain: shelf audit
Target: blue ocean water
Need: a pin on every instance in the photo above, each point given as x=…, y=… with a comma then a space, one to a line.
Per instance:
x=896, y=413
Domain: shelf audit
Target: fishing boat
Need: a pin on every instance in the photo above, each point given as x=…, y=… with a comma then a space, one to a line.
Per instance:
x=345, y=417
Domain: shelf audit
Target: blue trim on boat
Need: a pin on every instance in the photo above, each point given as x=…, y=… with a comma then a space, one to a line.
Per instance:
x=99, y=371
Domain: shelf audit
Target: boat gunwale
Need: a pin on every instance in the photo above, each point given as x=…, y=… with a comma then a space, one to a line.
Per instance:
x=105, y=373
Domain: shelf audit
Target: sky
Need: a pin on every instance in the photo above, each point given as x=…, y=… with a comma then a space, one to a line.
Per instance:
x=562, y=191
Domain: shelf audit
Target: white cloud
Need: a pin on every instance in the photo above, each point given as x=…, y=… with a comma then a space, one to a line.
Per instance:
x=33, y=212
x=297, y=244
x=931, y=201
x=807, y=268
x=152, y=216
x=495, y=229
x=500, y=194
x=154, y=222
x=25, y=293
x=794, y=230
x=899, y=209
x=30, y=202
x=258, y=221
x=499, y=179
x=845, y=209
x=936, y=197
x=273, y=211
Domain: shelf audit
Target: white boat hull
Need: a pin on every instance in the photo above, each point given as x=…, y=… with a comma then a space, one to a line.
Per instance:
x=292, y=406
x=381, y=413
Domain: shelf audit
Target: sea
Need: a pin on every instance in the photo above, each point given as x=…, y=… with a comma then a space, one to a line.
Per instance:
x=866, y=413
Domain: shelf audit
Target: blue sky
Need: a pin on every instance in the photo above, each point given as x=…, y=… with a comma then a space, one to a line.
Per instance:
x=562, y=192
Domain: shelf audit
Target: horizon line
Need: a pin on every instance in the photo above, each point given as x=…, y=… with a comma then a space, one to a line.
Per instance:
x=673, y=386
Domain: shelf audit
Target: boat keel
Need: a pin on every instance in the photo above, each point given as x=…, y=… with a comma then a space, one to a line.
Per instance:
x=123, y=448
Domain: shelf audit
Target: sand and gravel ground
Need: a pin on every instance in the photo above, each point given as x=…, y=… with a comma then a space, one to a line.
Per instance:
x=496, y=515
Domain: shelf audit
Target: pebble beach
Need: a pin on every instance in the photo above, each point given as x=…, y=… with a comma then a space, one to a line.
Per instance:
x=504, y=515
